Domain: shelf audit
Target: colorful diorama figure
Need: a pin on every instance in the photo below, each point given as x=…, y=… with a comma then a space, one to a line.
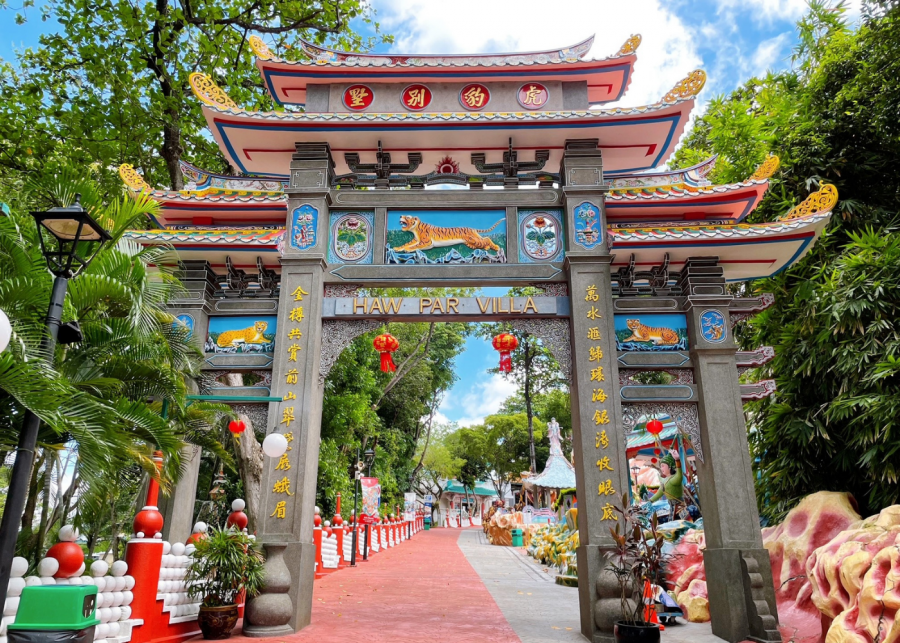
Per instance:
x=351, y=237
x=712, y=326
x=671, y=485
x=651, y=332
x=303, y=228
x=241, y=334
x=437, y=237
x=186, y=322
x=587, y=225
x=540, y=236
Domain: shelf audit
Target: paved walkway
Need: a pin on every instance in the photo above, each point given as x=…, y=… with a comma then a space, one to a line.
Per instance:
x=422, y=590
x=451, y=586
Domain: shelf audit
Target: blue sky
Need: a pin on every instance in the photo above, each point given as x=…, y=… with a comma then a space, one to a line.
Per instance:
x=730, y=39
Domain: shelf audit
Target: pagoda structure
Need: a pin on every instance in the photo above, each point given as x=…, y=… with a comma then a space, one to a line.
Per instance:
x=484, y=170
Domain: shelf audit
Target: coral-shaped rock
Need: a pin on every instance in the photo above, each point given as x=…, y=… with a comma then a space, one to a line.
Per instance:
x=811, y=524
x=685, y=562
x=694, y=602
x=855, y=580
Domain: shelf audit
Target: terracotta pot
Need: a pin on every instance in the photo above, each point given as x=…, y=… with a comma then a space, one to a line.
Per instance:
x=638, y=633
x=217, y=622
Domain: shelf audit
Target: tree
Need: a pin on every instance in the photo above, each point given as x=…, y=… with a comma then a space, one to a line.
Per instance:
x=832, y=423
x=469, y=446
x=96, y=402
x=534, y=368
x=112, y=85
x=439, y=464
x=507, y=447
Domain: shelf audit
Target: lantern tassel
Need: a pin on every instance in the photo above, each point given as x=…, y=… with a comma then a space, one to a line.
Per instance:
x=505, y=362
x=387, y=363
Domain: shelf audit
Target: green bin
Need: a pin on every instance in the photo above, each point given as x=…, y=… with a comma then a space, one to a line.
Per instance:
x=71, y=619
x=516, y=537
x=427, y=523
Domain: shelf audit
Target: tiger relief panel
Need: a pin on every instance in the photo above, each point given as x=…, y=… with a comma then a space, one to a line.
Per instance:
x=651, y=332
x=445, y=237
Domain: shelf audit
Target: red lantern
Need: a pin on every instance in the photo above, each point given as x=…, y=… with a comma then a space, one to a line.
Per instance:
x=505, y=343
x=237, y=427
x=386, y=344
x=654, y=426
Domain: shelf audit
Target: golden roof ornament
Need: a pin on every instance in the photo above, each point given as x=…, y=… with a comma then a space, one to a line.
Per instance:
x=630, y=45
x=818, y=202
x=687, y=87
x=766, y=169
x=133, y=179
x=211, y=94
x=260, y=48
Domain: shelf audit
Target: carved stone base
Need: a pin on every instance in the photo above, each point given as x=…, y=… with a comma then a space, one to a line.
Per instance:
x=269, y=613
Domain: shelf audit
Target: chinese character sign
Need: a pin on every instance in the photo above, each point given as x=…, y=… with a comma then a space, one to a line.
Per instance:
x=358, y=97
x=416, y=97
x=533, y=95
x=371, y=500
x=474, y=96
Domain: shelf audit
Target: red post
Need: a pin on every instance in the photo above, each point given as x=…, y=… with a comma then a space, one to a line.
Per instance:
x=317, y=541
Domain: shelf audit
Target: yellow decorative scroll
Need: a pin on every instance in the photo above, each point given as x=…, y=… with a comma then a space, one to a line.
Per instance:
x=822, y=201
x=630, y=46
x=207, y=91
x=687, y=87
x=132, y=178
x=260, y=48
x=766, y=169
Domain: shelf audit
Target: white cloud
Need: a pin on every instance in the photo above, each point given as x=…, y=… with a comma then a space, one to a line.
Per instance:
x=480, y=399
x=667, y=53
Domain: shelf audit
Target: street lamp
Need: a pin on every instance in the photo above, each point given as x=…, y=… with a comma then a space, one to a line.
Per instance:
x=70, y=239
x=356, y=472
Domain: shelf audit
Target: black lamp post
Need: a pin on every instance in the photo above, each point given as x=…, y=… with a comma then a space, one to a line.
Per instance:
x=356, y=472
x=70, y=239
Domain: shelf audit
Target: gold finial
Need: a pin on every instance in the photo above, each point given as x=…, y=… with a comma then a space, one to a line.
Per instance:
x=260, y=48
x=822, y=201
x=207, y=91
x=133, y=179
x=687, y=87
x=630, y=45
x=766, y=169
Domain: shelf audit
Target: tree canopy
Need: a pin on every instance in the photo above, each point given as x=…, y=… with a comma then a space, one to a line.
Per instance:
x=832, y=423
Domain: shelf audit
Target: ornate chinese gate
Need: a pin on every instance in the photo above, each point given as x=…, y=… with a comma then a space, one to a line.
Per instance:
x=280, y=299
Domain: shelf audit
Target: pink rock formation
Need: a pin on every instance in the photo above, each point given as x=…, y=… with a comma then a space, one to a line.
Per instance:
x=855, y=580
x=811, y=524
x=686, y=561
x=694, y=602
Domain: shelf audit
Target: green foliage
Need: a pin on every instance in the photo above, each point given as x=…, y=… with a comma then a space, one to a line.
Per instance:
x=112, y=85
x=832, y=424
x=223, y=565
x=358, y=413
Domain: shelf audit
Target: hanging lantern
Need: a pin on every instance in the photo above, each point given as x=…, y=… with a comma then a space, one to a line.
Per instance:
x=237, y=427
x=654, y=426
x=386, y=344
x=505, y=344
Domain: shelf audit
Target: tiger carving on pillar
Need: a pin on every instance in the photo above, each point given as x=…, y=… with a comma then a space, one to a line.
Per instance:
x=642, y=333
x=426, y=236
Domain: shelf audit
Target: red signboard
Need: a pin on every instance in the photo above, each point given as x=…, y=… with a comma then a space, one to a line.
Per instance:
x=533, y=95
x=358, y=97
x=416, y=97
x=474, y=96
x=371, y=500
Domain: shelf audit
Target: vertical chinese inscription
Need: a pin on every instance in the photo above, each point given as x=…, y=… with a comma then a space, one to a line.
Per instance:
x=298, y=322
x=599, y=397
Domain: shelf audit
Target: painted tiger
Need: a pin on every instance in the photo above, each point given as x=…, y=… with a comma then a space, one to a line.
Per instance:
x=642, y=333
x=252, y=335
x=427, y=236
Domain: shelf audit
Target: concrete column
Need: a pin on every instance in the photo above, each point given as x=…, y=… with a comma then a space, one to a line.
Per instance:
x=601, y=465
x=289, y=483
x=738, y=572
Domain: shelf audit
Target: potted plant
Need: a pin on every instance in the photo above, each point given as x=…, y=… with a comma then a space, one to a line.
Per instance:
x=224, y=565
x=637, y=561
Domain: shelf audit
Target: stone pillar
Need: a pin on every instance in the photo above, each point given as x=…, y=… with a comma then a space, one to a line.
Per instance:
x=738, y=572
x=599, y=448
x=191, y=309
x=289, y=483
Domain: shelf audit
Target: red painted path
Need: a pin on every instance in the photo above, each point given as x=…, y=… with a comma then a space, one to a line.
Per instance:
x=422, y=590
